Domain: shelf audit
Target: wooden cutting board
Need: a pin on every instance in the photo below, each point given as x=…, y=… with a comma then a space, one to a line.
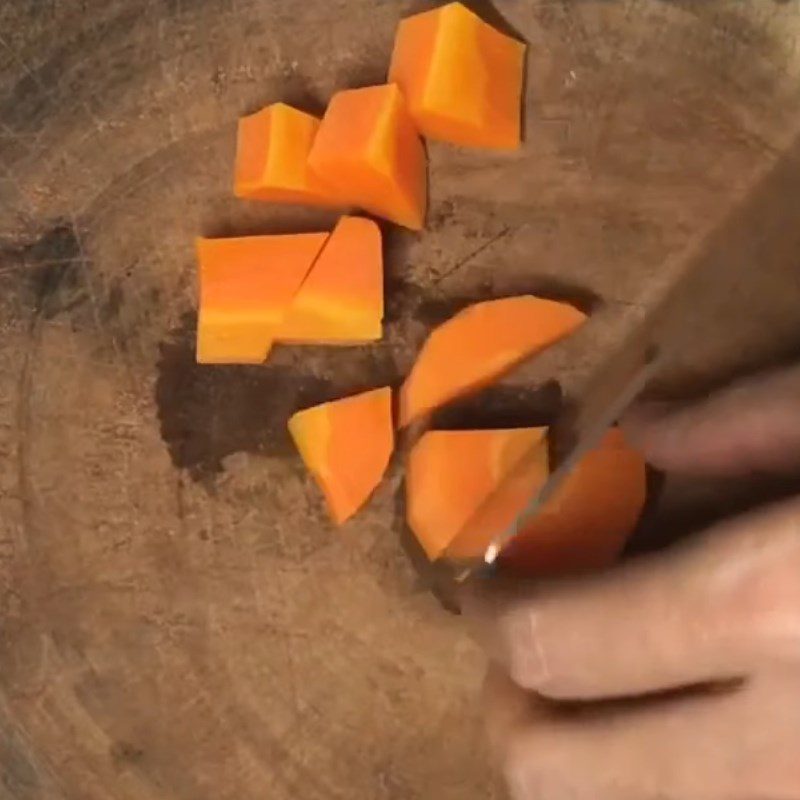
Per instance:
x=177, y=618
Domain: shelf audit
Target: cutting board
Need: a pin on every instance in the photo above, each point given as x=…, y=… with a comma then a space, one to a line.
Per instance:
x=177, y=617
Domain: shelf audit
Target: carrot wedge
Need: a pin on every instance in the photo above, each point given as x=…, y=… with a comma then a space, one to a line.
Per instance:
x=272, y=150
x=246, y=287
x=368, y=154
x=450, y=473
x=346, y=445
x=587, y=523
x=584, y=526
x=341, y=300
x=461, y=78
x=479, y=345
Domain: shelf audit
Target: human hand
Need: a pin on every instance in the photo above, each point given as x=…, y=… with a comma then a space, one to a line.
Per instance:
x=720, y=613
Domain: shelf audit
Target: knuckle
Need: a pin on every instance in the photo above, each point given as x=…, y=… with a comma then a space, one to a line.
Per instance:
x=776, y=614
x=520, y=768
x=534, y=769
x=764, y=604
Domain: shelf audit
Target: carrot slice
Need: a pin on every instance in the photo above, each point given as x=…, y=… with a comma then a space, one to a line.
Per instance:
x=462, y=79
x=246, y=286
x=478, y=345
x=584, y=526
x=341, y=300
x=346, y=445
x=272, y=157
x=367, y=151
x=450, y=473
x=587, y=523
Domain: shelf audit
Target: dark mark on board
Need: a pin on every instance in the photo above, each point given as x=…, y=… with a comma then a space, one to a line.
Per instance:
x=124, y=754
x=43, y=91
x=46, y=270
x=501, y=406
x=208, y=412
x=402, y=296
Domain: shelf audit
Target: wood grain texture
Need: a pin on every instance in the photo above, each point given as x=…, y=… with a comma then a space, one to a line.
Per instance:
x=177, y=618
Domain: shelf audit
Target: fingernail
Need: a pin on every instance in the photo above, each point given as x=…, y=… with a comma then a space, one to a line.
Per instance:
x=527, y=665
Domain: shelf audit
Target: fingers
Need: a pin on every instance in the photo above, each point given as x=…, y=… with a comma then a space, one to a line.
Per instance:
x=736, y=744
x=753, y=425
x=718, y=608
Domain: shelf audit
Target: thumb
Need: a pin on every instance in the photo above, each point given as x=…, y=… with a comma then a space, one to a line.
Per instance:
x=753, y=425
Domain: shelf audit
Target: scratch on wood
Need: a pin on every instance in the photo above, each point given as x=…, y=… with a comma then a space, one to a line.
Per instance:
x=84, y=266
x=470, y=256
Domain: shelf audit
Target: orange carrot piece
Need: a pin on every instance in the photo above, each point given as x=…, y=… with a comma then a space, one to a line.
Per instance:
x=367, y=151
x=246, y=287
x=346, y=445
x=587, y=523
x=480, y=344
x=462, y=79
x=272, y=157
x=450, y=473
x=341, y=300
x=584, y=526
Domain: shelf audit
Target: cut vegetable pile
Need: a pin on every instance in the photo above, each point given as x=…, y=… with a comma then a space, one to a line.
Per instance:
x=456, y=79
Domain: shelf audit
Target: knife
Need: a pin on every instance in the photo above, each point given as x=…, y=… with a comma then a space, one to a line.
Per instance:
x=759, y=228
x=578, y=430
